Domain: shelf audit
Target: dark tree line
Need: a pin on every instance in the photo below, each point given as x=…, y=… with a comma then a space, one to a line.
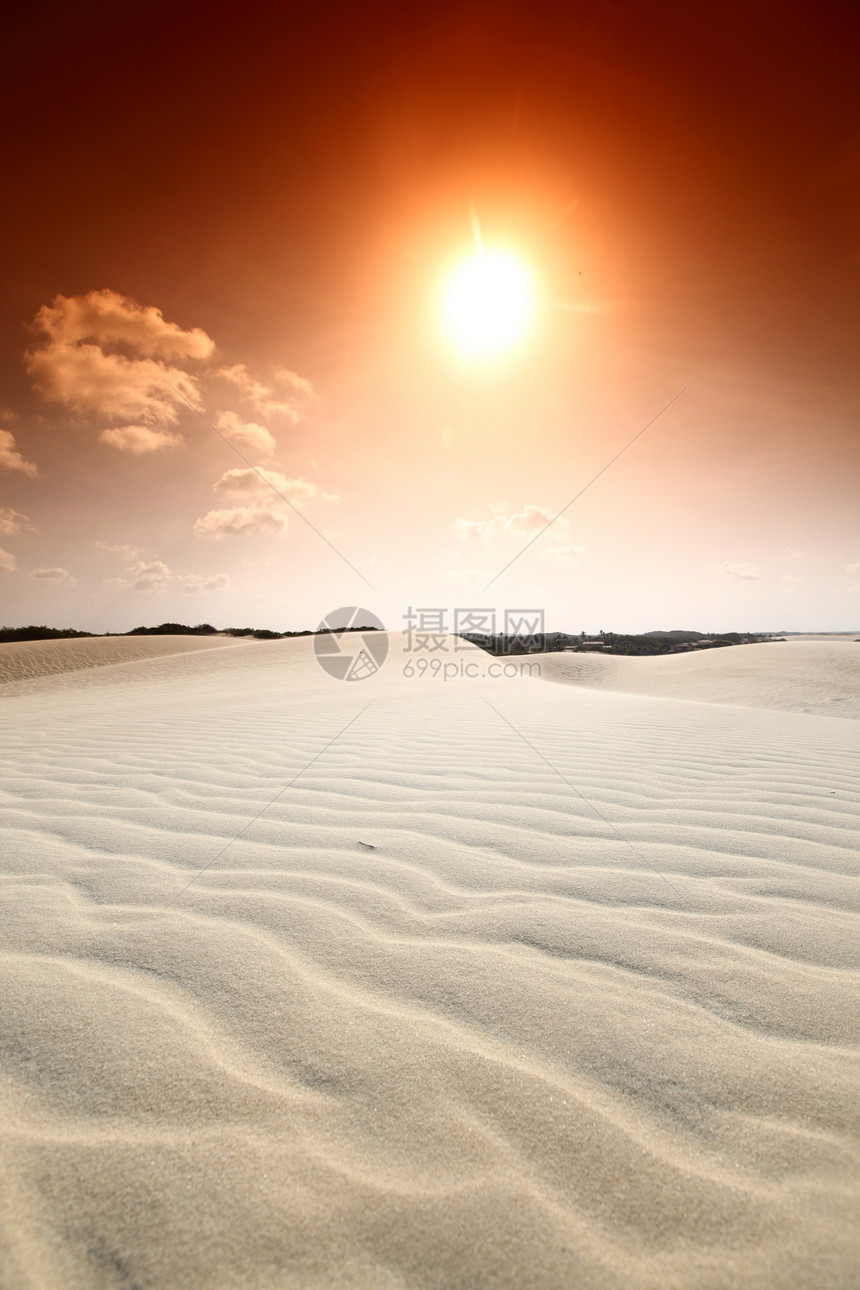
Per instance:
x=609, y=642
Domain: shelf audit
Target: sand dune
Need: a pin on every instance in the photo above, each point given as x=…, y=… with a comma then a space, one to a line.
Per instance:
x=815, y=675
x=28, y=660
x=412, y=983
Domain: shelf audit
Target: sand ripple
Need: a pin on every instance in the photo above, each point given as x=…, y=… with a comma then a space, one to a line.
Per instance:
x=516, y=985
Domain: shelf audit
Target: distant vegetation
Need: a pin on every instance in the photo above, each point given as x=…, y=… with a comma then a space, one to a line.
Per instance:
x=163, y=629
x=38, y=633
x=674, y=642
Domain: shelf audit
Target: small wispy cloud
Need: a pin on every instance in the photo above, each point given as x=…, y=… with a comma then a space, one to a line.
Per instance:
x=154, y=576
x=744, y=572
x=14, y=522
x=52, y=575
x=140, y=439
x=239, y=521
x=529, y=520
x=255, y=436
x=124, y=552
x=264, y=511
x=253, y=483
x=143, y=575
x=194, y=584
x=282, y=396
x=10, y=457
x=8, y=563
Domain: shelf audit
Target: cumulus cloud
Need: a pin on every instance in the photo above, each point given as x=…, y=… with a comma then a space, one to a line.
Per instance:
x=528, y=521
x=140, y=439
x=104, y=353
x=106, y=316
x=10, y=457
x=257, y=437
x=263, y=512
x=152, y=575
x=244, y=520
x=282, y=397
x=13, y=521
x=52, y=575
x=744, y=572
x=8, y=563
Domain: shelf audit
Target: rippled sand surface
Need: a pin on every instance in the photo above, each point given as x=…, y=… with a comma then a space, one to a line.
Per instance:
x=412, y=983
x=820, y=676
x=30, y=660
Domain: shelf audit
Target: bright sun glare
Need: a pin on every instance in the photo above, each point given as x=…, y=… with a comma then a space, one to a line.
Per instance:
x=487, y=304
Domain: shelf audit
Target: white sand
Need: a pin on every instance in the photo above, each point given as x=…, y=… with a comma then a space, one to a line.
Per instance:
x=457, y=1008
x=815, y=675
x=24, y=660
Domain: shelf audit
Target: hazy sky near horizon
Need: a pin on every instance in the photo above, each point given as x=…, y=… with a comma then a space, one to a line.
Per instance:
x=260, y=208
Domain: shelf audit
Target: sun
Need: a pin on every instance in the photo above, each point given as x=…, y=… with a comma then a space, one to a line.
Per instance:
x=487, y=304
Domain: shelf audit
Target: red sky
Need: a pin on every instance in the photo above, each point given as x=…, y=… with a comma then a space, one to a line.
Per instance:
x=290, y=185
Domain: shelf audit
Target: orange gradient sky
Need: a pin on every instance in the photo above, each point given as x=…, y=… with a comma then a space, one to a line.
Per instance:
x=263, y=207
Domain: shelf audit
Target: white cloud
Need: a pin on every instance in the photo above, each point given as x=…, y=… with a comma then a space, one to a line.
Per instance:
x=281, y=398
x=52, y=575
x=257, y=437
x=140, y=439
x=248, y=483
x=264, y=512
x=244, y=520
x=13, y=521
x=852, y=568
x=80, y=366
x=744, y=572
x=152, y=575
x=529, y=520
x=8, y=563
x=10, y=457
x=143, y=575
x=106, y=316
x=194, y=583
x=124, y=552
